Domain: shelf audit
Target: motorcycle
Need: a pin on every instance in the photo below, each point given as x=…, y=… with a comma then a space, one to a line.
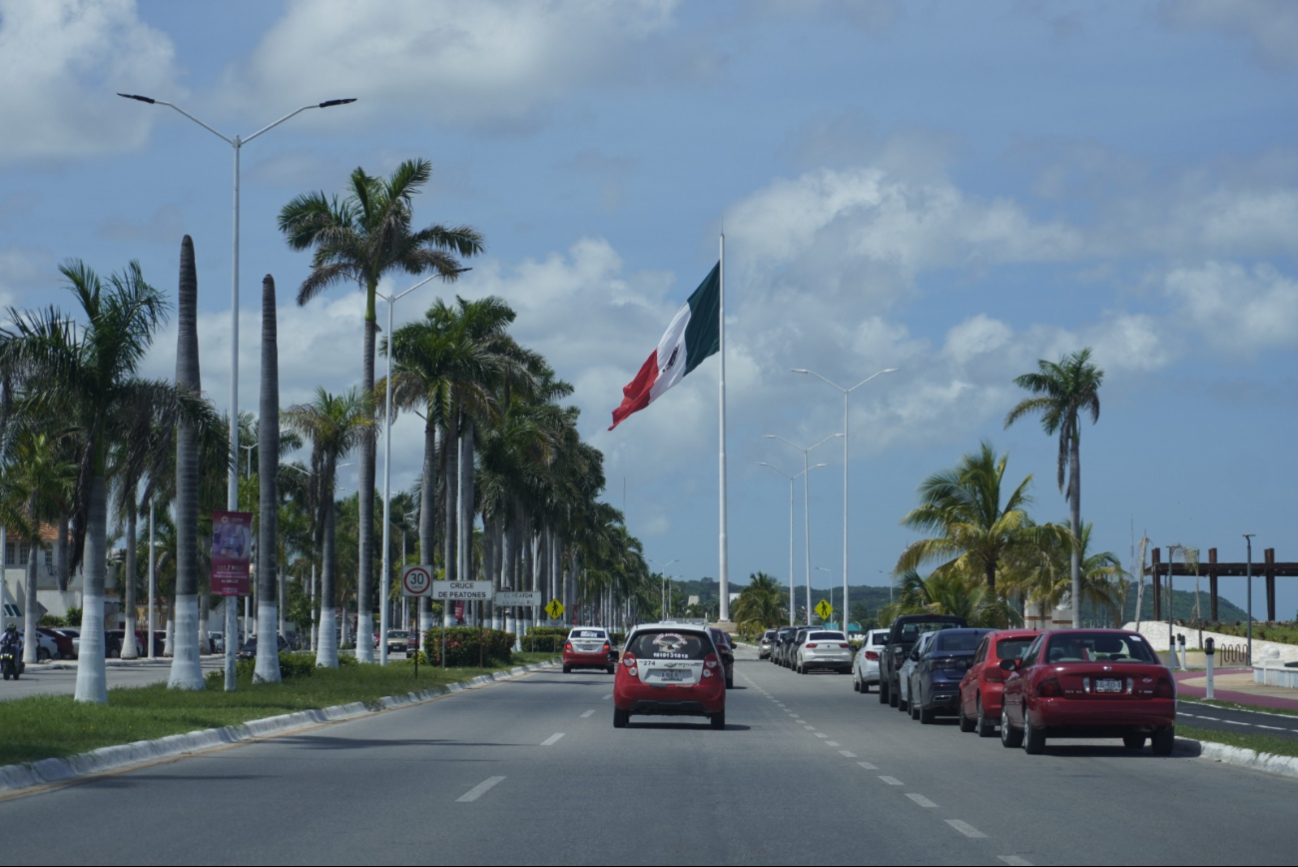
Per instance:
x=11, y=663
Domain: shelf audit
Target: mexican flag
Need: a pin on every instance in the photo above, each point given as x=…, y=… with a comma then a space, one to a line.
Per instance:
x=693, y=335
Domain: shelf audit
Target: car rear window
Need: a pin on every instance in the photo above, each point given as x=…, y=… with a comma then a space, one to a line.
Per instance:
x=826, y=636
x=669, y=644
x=1098, y=647
x=959, y=641
x=1012, y=648
x=587, y=633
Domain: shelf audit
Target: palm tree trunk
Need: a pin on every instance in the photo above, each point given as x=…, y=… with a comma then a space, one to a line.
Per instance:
x=92, y=684
x=267, y=666
x=64, y=569
x=129, y=649
x=1075, y=517
x=427, y=516
x=450, y=538
x=186, y=672
x=464, y=499
x=30, y=640
x=365, y=529
x=327, y=642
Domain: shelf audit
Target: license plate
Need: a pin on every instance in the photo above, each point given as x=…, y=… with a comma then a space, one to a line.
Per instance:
x=1108, y=684
x=673, y=674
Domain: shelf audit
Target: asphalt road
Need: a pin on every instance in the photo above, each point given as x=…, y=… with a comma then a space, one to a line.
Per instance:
x=1213, y=718
x=532, y=771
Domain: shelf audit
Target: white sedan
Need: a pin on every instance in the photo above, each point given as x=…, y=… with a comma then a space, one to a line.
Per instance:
x=824, y=648
x=865, y=667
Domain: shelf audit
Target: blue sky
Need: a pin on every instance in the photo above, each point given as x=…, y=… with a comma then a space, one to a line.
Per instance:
x=953, y=189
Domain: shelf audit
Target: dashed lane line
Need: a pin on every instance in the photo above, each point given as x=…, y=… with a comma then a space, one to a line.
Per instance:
x=892, y=781
x=1014, y=860
x=966, y=829
x=868, y=766
x=552, y=739
x=831, y=743
x=847, y=754
x=479, y=790
x=921, y=800
x=588, y=714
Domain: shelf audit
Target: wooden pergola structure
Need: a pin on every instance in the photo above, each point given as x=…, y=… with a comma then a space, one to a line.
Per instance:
x=1268, y=569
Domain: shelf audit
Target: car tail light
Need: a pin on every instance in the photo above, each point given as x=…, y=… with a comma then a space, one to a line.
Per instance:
x=606, y=647
x=710, y=661
x=629, y=661
x=872, y=656
x=1165, y=688
x=567, y=645
x=810, y=646
x=1050, y=688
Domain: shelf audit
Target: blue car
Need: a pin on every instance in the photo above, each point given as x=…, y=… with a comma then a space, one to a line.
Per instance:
x=935, y=680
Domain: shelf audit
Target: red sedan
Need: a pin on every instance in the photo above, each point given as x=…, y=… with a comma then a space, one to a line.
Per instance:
x=983, y=683
x=588, y=647
x=1089, y=683
x=670, y=669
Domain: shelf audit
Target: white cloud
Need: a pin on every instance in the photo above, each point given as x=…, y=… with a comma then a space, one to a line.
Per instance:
x=472, y=62
x=1238, y=311
x=1269, y=26
x=62, y=60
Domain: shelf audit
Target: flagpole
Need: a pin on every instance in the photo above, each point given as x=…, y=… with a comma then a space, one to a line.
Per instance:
x=721, y=325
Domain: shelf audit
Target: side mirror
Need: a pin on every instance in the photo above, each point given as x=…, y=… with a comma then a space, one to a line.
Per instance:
x=1009, y=665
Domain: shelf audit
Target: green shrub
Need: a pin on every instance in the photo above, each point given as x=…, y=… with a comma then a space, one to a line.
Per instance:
x=73, y=617
x=296, y=665
x=52, y=621
x=467, y=646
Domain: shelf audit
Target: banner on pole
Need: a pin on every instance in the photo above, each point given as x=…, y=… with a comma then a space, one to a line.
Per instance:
x=231, y=553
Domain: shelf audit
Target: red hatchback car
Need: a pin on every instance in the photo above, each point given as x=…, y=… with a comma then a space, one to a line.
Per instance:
x=588, y=647
x=982, y=684
x=1089, y=683
x=670, y=669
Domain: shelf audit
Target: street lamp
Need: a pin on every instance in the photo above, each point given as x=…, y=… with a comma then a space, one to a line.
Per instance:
x=791, y=479
x=1248, y=537
x=667, y=584
x=387, y=475
x=806, y=504
x=232, y=477
x=846, y=392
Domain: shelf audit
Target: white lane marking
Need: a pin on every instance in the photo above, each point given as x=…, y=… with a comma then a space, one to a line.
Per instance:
x=847, y=753
x=1237, y=723
x=1015, y=860
x=831, y=743
x=965, y=828
x=588, y=714
x=820, y=734
x=1270, y=728
x=892, y=781
x=921, y=800
x=479, y=790
x=809, y=728
x=551, y=740
x=867, y=766
x=607, y=697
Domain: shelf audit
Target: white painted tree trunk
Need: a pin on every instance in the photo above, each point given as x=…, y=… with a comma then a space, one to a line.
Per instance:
x=266, y=669
x=129, y=648
x=31, y=640
x=92, y=683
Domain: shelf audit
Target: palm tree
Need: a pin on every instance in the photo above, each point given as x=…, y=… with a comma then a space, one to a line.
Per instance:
x=93, y=370
x=1103, y=580
x=267, y=666
x=364, y=236
x=761, y=605
x=952, y=592
x=1064, y=391
x=973, y=531
x=334, y=425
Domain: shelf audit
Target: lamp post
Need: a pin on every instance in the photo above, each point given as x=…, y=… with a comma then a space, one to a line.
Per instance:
x=806, y=504
x=1248, y=537
x=846, y=437
x=232, y=477
x=791, y=479
x=666, y=585
x=386, y=568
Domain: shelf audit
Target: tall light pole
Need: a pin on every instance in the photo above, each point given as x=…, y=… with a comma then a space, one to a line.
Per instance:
x=386, y=569
x=1248, y=537
x=232, y=477
x=846, y=438
x=806, y=503
x=666, y=585
x=791, y=479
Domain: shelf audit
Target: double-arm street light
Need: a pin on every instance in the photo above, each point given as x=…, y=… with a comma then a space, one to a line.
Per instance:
x=791, y=479
x=806, y=503
x=846, y=393
x=666, y=586
x=232, y=477
x=387, y=475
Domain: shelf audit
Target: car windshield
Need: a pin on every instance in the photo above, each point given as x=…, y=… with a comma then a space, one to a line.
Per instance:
x=1011, y=648
x=586, y=633
x=1098, y=647
x=668, y=644
x=955, y=641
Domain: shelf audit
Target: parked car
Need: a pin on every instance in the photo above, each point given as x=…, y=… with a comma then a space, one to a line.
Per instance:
x=935, y=681
x=722, y=640
x=824, y=648
x=1089, y=683
x=768, y=642
x=865, y=665
x=783, y=636
x=983, y=683
x=795, y=643
x=908, y=668
x=249, y=649
x=902, y=635
x=51, y=644
x=669, y=668
x=588, y=647
x=400, y=641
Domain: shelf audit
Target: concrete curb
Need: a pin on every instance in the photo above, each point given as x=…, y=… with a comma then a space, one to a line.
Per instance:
x=1285, y=766
x=14, y=778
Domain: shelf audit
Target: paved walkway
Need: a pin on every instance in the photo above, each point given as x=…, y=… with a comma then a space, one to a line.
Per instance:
x=1236, y=685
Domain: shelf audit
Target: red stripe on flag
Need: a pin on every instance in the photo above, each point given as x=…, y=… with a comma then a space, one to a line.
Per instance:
x=635, y=396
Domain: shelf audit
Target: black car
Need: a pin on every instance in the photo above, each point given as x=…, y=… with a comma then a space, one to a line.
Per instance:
x=249, y=649
x=903, y=634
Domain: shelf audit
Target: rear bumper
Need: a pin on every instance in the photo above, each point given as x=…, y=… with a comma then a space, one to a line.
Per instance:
x=1075, y=717
x=587, y=660
x=697, y=700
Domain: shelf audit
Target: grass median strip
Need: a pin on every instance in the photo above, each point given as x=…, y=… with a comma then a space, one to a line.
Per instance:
x=1276, y=746
x=42, y=727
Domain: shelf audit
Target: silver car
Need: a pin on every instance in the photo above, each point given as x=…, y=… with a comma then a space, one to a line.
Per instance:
x=865, y=666
x=824, y=648
x=908, y=667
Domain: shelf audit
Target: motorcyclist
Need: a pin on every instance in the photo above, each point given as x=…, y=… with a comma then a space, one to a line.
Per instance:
x=11, y=638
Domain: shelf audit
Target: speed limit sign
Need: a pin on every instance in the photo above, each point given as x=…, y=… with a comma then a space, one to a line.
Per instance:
x=417, y=581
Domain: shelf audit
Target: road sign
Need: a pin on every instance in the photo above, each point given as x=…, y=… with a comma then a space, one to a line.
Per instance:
x=518, y=597
x=554, y=609
x=824, y=609
x=417, y=581
x=462, y=590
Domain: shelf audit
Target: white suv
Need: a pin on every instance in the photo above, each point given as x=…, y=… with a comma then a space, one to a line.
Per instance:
x=824, y=648
x=865, y=667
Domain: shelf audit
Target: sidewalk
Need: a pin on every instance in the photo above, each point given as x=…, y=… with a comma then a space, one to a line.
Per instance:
x=1236, y=685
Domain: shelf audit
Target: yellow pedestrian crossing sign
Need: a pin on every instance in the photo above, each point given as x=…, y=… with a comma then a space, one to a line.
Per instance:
x=554, y=609
x=824, y=609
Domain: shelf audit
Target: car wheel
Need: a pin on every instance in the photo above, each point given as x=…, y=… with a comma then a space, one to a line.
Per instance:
x=1133, y=742
x=719, y=720
x=983, y=725
x=883, y=692
x=730, y=682
x=1034, y=738
x=966, y=724
x=894, y=700
x=856, y=685
x=612, y=669
x=42, y=655
x=567, y=669
x=621, y=718
x=1010, y=736
x=913, y=707
x=1163, y=741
